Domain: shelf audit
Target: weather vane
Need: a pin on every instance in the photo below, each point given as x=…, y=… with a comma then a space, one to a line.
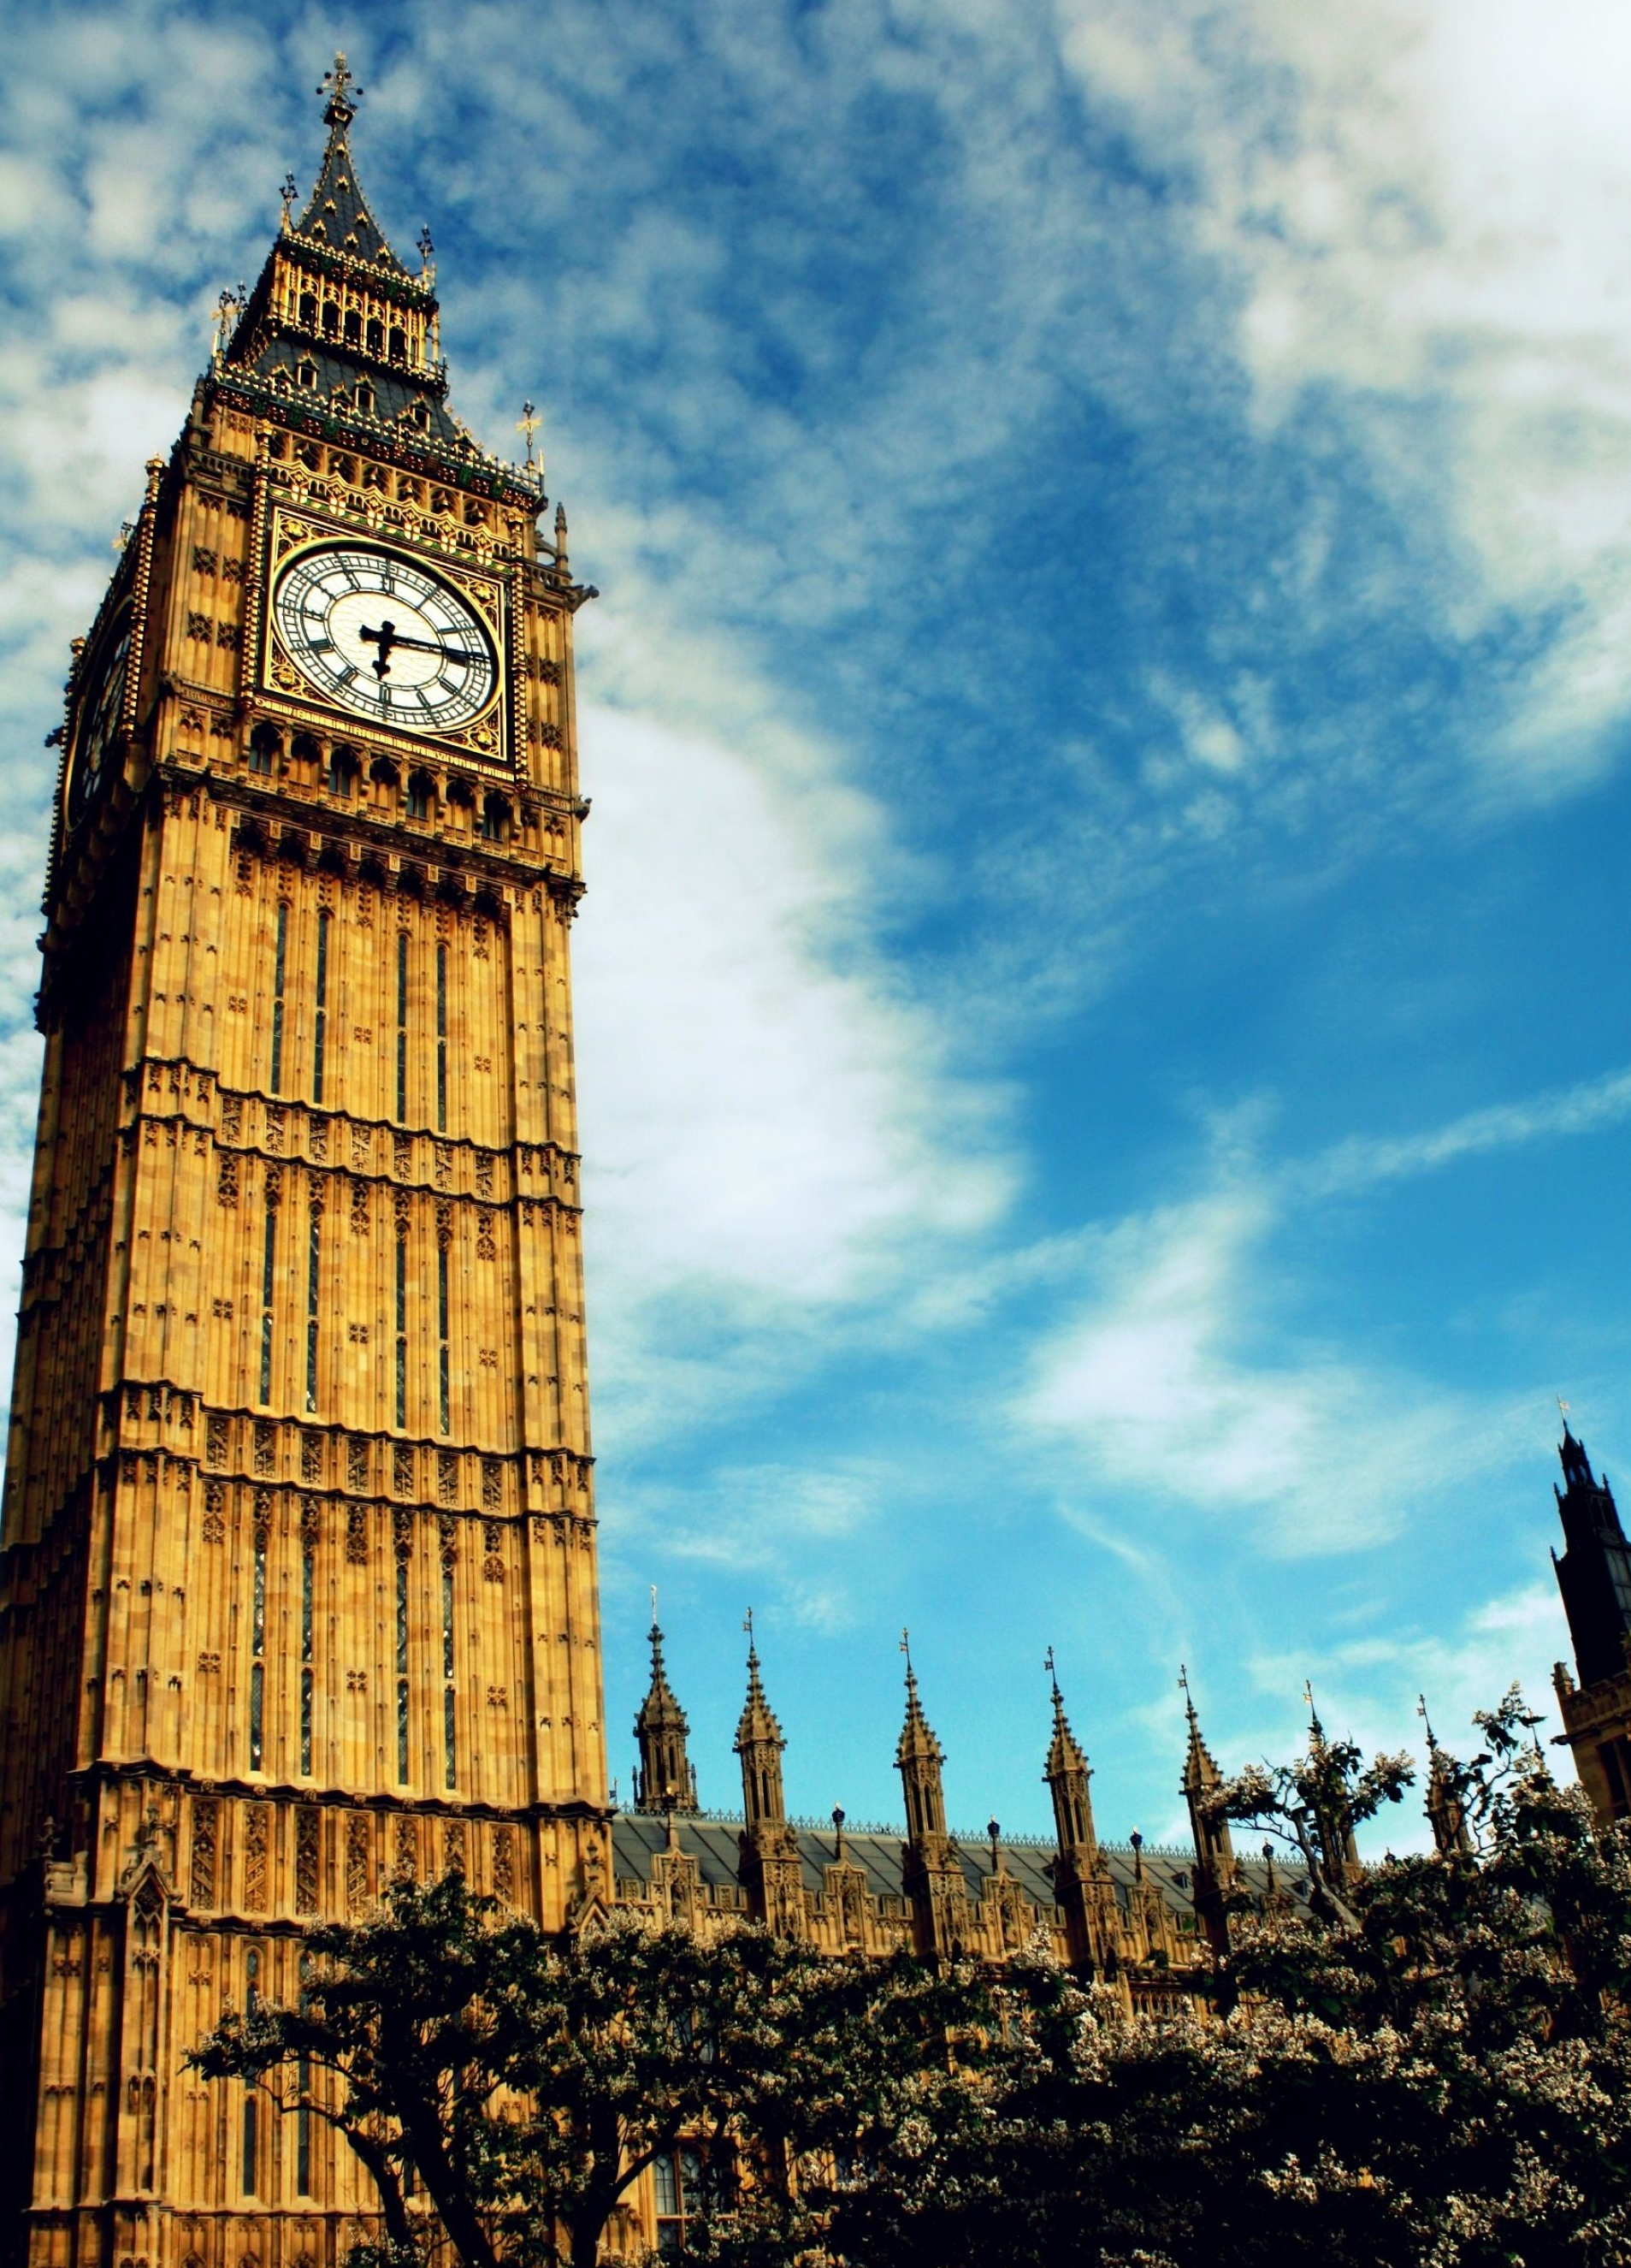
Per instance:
x=340, y=86
x=528, y=425
x=288, y=193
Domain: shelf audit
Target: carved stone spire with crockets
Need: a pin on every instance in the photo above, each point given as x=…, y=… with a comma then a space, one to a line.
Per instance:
x=759, y=1743
x=919, y=1759
x=1082, y=1880
x=1067, y=1773
x=1214, y=1850
x=665, y=1780
x=772, y=1872
x=931, y=1872
x=1446, y=1804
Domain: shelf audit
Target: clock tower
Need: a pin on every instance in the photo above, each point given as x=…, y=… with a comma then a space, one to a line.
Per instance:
x=297, y=1569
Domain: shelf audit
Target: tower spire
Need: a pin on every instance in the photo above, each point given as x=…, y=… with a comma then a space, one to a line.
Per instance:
x=1446, y=1810
x=772, y=1872
x=759, y=1743
x=931, y=1873
x=665, y=1780
x=1214, y=1850
x=918, y=1759
x=1066, y=1773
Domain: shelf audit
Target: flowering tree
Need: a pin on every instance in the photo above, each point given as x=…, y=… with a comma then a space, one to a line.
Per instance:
x=1433, y=2066
x=528, y=2082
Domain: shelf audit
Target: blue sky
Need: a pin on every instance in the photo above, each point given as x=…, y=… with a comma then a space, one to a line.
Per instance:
x=1102, y=1013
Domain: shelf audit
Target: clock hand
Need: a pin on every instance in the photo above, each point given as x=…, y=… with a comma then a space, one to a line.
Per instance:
x=417, y=645
x=385, y=638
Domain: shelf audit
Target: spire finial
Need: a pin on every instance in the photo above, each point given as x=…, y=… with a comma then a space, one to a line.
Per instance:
x=288, y=193
x=905, y=1649
x=1053, y=1678
x=1183, y=1687
x=527, y=426
x=752, y=1650
x=1426, y=1719
x=1315, y=1727
x=340, y=87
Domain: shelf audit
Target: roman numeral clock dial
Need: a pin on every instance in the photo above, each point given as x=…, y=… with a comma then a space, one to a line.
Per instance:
x=375, y=633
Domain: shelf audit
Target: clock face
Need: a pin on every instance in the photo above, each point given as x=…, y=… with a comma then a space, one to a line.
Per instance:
x=374, y=632
x=101, y=706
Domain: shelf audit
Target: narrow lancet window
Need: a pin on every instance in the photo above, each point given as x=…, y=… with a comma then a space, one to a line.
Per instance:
x=441, y=1039
x=319, y=1030
x=313, y=1277
x=308, y=1572
x=401, y=1671
x=449, y=1710
x=402, y=1025
x=279, y=964
x=442, y=1338
x=401, y=1331
x=268, y=1281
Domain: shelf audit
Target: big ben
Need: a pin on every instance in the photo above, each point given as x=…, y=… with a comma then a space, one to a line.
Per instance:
x=298, y=1586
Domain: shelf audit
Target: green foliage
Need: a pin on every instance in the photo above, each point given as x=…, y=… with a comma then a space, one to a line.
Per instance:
x=1431, y=2065
x=529, y=2081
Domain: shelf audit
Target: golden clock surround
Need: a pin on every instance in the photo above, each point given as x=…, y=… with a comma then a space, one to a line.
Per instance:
x=487, y=741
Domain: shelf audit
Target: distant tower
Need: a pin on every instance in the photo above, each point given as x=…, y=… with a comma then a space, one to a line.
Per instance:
x=665, y=1780
x=772, y=1871
x=1334, y=1822
x=1445, y=1806
x=1215, y=1851
x=1594, y=1576
x=1082, y=1880
x=931, y=1873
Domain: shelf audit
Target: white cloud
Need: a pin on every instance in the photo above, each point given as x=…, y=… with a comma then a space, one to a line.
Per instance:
x=1161, y=1383
x=1422, y=205
x=769, y=1129
x=1366, y=1161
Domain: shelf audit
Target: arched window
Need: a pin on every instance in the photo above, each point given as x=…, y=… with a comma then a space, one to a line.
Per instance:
x=495, y=820
x=341, y=772
x=376, y=336
x=421, y=795
x=331, y=319
x=306, y=755
x=266, y=745
x=398, y=343
x=353, y=328
x=308, y=310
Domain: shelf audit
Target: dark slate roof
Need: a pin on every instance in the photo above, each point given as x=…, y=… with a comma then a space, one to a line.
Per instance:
x=337, y=214
x=712, y=1841
x=338, y=371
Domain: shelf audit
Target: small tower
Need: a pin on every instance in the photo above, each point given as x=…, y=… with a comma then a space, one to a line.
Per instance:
x=1594, y=1576
x=1334, y=1825
x=1068, y=1772
x=931, y=1874
x=1446, y=1810
x=1214, y=1851
x=665, y=1780
x=1083, y=1886
x=772, y=1872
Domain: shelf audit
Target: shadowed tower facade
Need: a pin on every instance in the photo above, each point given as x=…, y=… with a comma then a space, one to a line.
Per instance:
x=297, y=1587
